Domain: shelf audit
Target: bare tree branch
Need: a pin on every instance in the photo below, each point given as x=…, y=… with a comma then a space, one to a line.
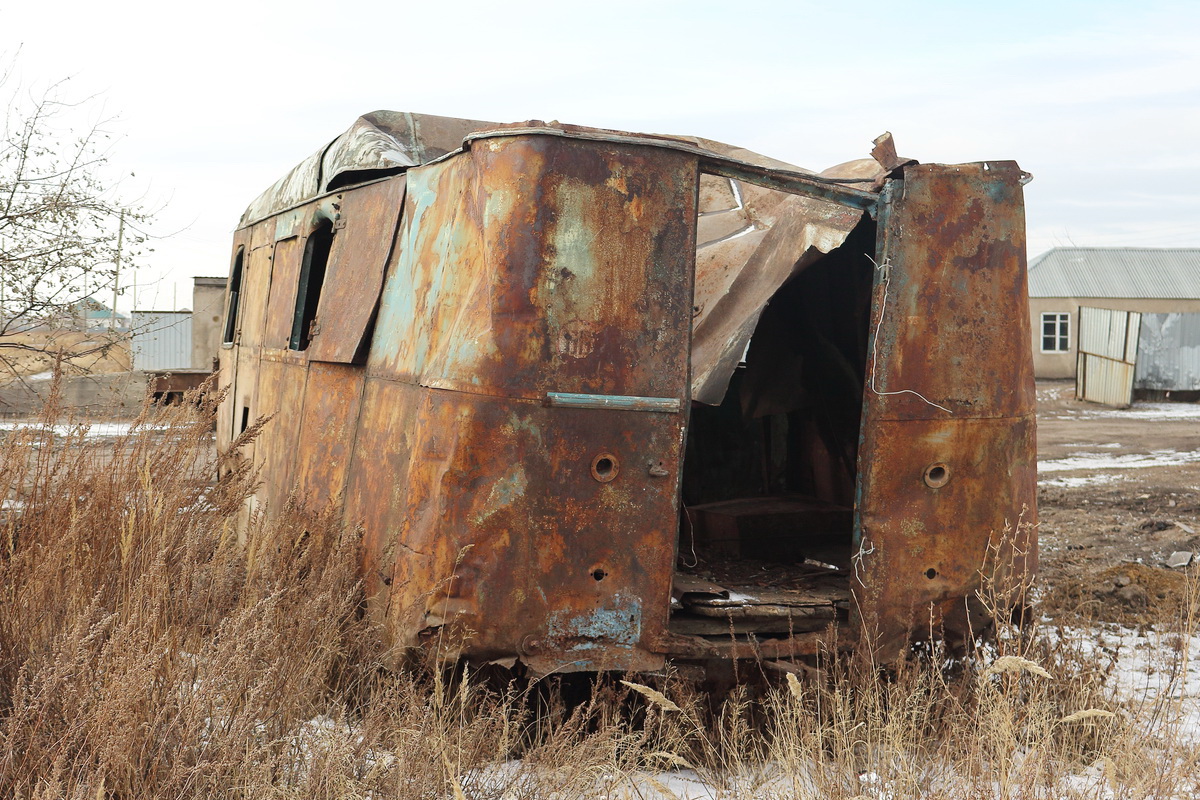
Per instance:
x=59, y=217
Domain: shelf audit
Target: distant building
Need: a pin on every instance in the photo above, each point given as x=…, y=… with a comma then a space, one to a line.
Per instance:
x=208, y=304
x=1145, y=279
x=162, y=340
x=89, y=314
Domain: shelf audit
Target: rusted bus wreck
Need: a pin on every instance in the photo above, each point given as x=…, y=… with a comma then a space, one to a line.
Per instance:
x=603, y=400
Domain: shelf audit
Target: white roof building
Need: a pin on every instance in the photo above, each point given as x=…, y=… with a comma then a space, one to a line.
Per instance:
x=1061, y=280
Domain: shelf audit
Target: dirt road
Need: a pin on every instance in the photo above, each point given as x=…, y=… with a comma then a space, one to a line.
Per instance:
x=1118, y=493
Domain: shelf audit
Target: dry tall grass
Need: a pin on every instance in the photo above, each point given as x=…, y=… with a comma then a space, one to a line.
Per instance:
x=145, y=654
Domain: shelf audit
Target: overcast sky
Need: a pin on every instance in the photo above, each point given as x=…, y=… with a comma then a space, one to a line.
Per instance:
x=214, y=101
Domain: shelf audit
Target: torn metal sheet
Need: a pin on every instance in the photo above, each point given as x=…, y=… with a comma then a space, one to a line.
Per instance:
x=599, y=400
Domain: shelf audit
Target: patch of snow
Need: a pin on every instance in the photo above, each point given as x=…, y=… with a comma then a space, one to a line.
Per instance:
x=95, y=430
x=1157, y=673
x=1148, y=411
x=1155, y=458
x=1079, y=482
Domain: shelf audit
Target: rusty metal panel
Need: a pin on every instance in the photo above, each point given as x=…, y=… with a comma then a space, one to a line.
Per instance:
x=529, y=264
x=282, y=303
x=326, y=432
x=526, y=270
x=281, y=397
x=256, y=283
x=947, y=459
x=521, y=540
x=366, y=230
x=513, y=445
x=440, y=232
x=378, y=496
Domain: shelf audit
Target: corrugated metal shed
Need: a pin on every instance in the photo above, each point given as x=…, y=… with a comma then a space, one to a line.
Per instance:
x=1169, y=353
x=1125, y=272
x=162, y=340
x=1108, y=348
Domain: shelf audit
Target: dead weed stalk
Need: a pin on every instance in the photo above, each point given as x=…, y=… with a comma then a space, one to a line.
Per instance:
x=145, y=653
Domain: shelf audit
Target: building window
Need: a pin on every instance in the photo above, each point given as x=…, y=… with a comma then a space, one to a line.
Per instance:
x=1056, y=329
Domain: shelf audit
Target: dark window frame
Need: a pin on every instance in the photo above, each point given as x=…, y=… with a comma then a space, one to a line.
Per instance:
x=232, y=312
x=1056, y=331
x=313, y=268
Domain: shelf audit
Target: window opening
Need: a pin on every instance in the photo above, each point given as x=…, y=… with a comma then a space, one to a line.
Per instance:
x=312, y=278
x=235, y=293
x=1056, y=328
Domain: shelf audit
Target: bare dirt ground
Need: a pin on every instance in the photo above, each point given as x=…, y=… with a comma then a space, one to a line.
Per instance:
x=1118, y=493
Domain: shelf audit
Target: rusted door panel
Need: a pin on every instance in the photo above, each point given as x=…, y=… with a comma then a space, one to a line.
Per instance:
x=947, y=458
x=281, y=396
x=281, y=306
x=531, y=266
x=525, y=543
x=330, y=418
x=368, y=220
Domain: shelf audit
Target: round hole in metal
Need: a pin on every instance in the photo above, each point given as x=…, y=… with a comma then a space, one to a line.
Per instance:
x=605, y=467
x=931, y=573
x=598, y=574
x=937, y=475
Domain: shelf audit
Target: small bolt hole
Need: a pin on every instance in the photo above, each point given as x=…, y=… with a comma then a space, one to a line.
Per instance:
x=599, y=574
x=931, y=573
x=604, y=466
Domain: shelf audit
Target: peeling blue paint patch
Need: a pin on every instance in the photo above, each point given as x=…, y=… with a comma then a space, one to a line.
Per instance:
x=504, y=493
x=617, y=623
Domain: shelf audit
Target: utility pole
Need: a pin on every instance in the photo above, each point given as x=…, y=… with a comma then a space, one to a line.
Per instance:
x=117, y=270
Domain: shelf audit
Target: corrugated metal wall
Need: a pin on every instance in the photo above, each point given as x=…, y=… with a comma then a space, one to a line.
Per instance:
x=1108, y=351
x=162, y=340
x=1168, y=355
